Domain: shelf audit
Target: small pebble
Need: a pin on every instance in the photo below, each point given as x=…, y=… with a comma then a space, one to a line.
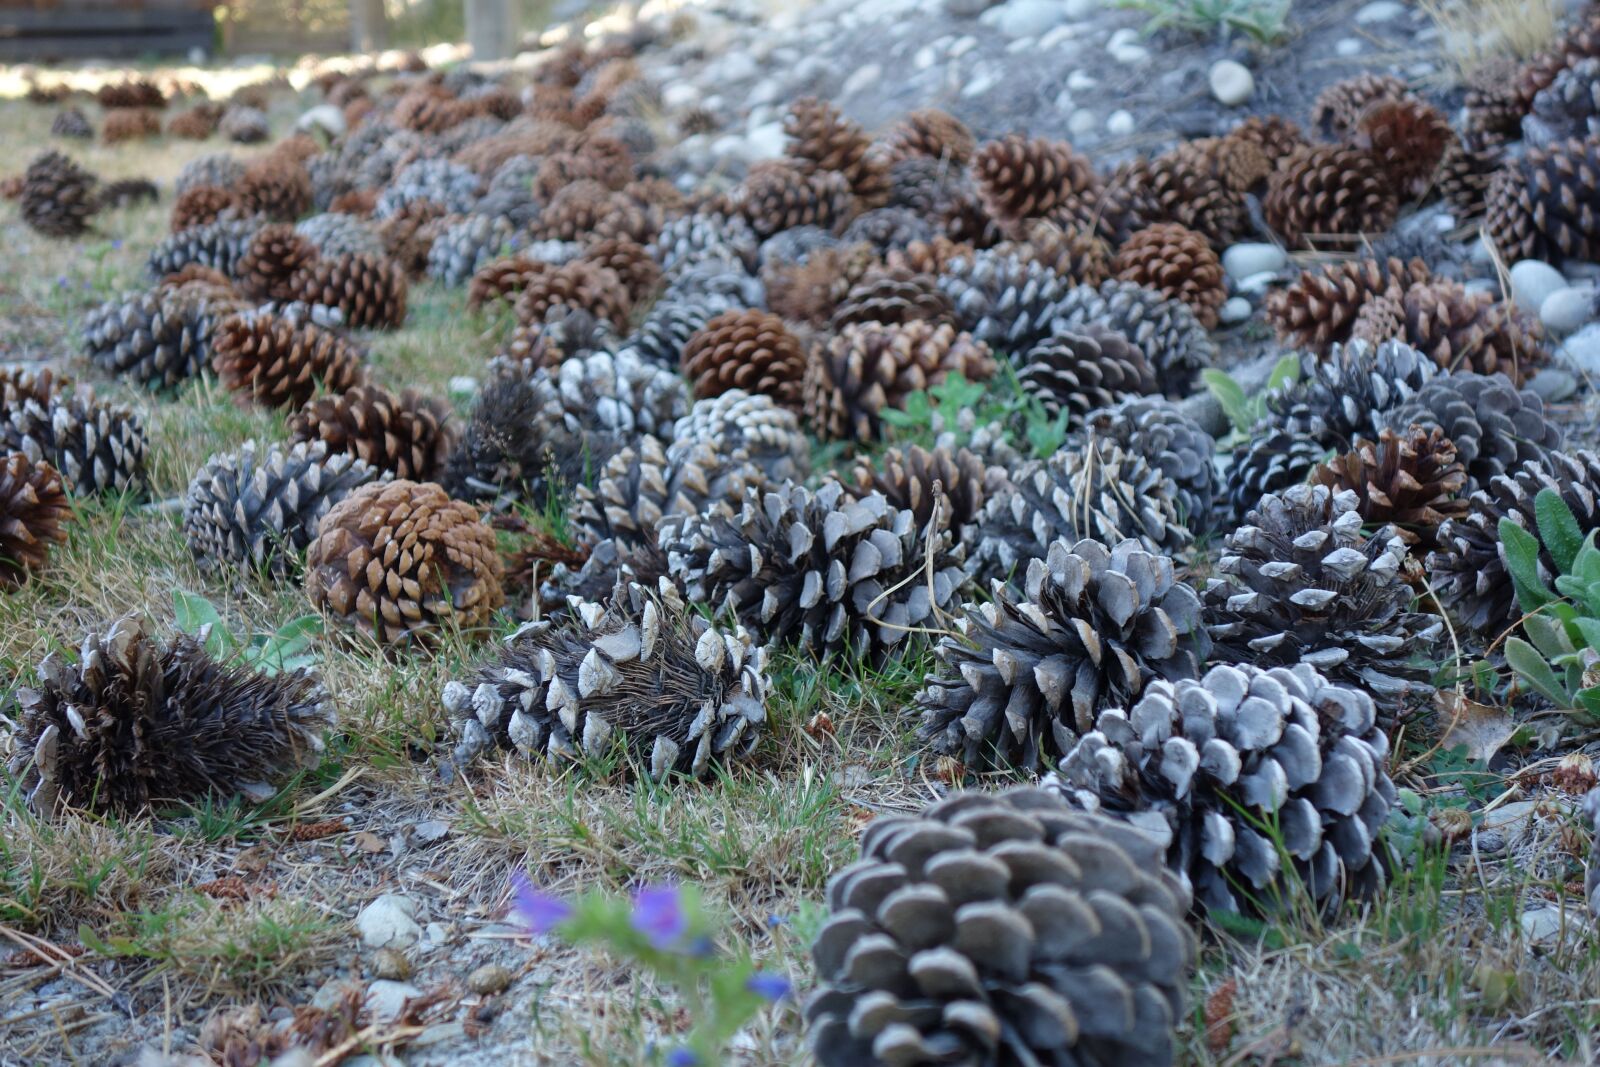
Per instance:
x=1236, y=309
x=1231, y=82
x=386, y=999
x=1554, y=384
x=1256, y=283
x=1379, y=11
x=1531, y=281
x=1120, y=123
x=1082, y=121
x=1078, y=81
x=1347, y=46
x=977, y=86
x=1252, y=257
x=489, y=979
x=391, y=964
x=1565, y=310
x=389, y=922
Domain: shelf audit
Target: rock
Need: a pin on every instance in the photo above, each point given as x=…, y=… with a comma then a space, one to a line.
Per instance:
x=436, y=934
x=1531, y=281
x=489, y=979
x=426, y=833
x=766, y=142
x=1582, y=350
x=1255, y=283
x=679, y=95
x=1549, y=922
x=1252, y=257
x=1554, y=384
x=1059, y=36
x=1347, y=46
x=864, y=78
x=462, y=386
x=335, y=992
x=1565, y=310
x=737, y=67
x=389, y=922
x=1130, y=54
x=977, y=85
x=391, y=964
x=1077, y=9
x=386, y=1000
x=1027, y=18
x=1379, y=11
x=1206, y=410
x=1079, y=81
x=1082, y=121
x=962, y=46
x=966, y=9
x=925, y=58
x=766, y=91
x=324, y=117
x=1236, y=309
x=1119, y=123
x=1231, y=83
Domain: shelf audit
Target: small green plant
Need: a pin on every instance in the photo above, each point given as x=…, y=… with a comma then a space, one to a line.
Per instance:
x=1560, y=660
x=1261, y=20
x=929, y=412
x=1242, y=409
x=287, y=648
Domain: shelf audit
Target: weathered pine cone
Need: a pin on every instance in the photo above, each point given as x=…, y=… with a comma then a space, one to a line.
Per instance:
x=580, y=284
x=404, y=564
x=58, y=196
x=1021, y=178
x=869, y=367
x=1494, y=426
x=1466, y=172
x=1174, y=189
x=410, y=435
x=94, y=446
x=277, y=362
x=159, y=338
x=218, y=245
x=1546, y=204
x=33, y=509
x=1410, y=480
x=1320, y=307
x=277, y=188
x=1344, y=395
x=1166, y=331
x=934, y=134
x=71, y=122
x=682, y=695
x=1272, y=460
x=1175, y=262
x=1408, y=137
x=955, y=481
x=893, y=295
x=825, y=140
x=369, y=291
x=1001, y=929
x=1029, y=672
x=122, y=124
x=777, y=196
x=1079, y=370
x=269, y=264
x=134, y=723
x=747, y=426
x=1338, y=109
x=1206, y=765
x=1474, y=331
x=749, y=350
x=1325, y=191
x=199, y=205
x=513, y=444
x=1169, y=440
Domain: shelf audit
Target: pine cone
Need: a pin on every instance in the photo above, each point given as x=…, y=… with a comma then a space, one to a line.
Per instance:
x=1462, y=330
x=822, y=569
x=333, y=234
x=582, y=285
x=271, y=260
x=889, y=295
x=1001, y=929
x=1166, y=331
x=1570, y=106
x=1546, y=205
x=586, y=209
x=1097, y=491
x=1329, y=191
x=1079, y=255
x=1028, y=674
x=1158, y=431
x=808, y=291
x=195, y=124
x=129, y=124
x=1084, y=370
x=71, y=122
x=33, y=507
x=277, y=188
x=1021, y=178
x=258, y=508
x=57, y=196
x=1408, y=138
x=511, y=444
x=202, y=204
x=629, y=260
x=134, y=92
x=369, y=292
x=821, y=137
x=1381, y=319
x=159, y=338
x=403, y=563
x=93, y=446
x=706, y=235
x=504, y=278
x=276, y=362
x=1494, y=426
x=778, y=196
x=749, y=350
x=1341, y=397
x=1300, y=583
x=409, y=235
x=244, y=125
x=613, y=393
x=461, y=246
x=1411, y=481
x=1273, y=460
x=1468, y=571
x=1238, y=162
x=750, y=427
x=870, y=366
x=1177, y=263
x=1466, y=172
x=1338, y=109
x=682, y=693
x=1207, y=766
x=133, y=724
x=218, y=245
x=565, y=334
x=1320, y=309
x=410, y=435
x=125, y=191
x=1006, y=301
x=958, y=481
x=1174, y=189
x=933, y=134
x=1276, y=135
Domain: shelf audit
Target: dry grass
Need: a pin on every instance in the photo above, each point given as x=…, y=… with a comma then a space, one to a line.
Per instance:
x=1436, y=972
x=1476, y=35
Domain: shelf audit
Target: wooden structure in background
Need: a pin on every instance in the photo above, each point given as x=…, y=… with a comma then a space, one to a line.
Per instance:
x=42, y=30
x=286, y=27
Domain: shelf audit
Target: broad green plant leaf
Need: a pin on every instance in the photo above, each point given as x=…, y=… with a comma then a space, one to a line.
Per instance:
x=1558, y=529
x=1532, y=669
x=1522, y=560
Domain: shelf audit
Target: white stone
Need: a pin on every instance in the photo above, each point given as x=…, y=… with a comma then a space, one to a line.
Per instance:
x=324, y=117
x=737, y=67
x=1119, y=38
x=925, y=57
x=979, y=84
x=680, y=95
x=863, y=78
x=962, y=46
x=1079, y=81
x=1059, y=35
x=1255, y=283
x=1082, y=121
x=1564, y=310
x=1582, y=349
x=462, y=385
x=1347, y=46
x=1021, y=44
x=1235, y=309
x=389, y=922
x=1532, y=280
x=1252, y=257
x=386, y=999
x=1077, y=9
x=766, y=91
x=1027, y=18
x=1119, y=123
x=1231, y=83
x=766, y=142
x=1130, y=54
x=1379, y=11
x=1064, y=101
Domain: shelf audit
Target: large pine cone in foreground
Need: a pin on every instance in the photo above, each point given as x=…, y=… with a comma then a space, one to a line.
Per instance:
x=134, y=723
x=1001, y=929
x=1345, y=395
x=410, y=435
x=403, y=563
x=1494, y=426
x=370, y=292
x=1028, y=674
x=58, y=196
x=1080, y=369
x=681, y=693
x=277, y=362
x=33, y=506
x=270, y=262
x=1205, y=765
x=1273, y=459
x=871, y=367
x=821, y=569
x=96, y=446
x=259, y=508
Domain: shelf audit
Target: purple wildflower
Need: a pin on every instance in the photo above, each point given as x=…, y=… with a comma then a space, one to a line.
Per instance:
x=768, y=986
x=682, y=1057
x=658, y=914
x=539, y=912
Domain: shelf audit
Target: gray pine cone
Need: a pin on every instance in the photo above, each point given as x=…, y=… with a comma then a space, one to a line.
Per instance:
x=218, y=245
x=749, y=427
x=517, y=444
x=221, y=169
x=1172, y=339
x=1079, y=370
x=612, y=393
x=1271, y=461
x=1205, y=765
x=1004, y=300
x=450, y=185
x=465, y=245
x=1570, y=106
x=1158, y=431
x=1495, y=426
x=680, y=692
x=1338, y=398
x=335, y=234
x=1090, y=629
x=159, y=338
x=258, y=507
x=690, y=238
x=96, y=446
x=667, y=327
x=1001, y=929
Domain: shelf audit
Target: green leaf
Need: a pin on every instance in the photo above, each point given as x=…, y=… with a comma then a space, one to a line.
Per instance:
x=1590, y=629
x=1558, y=529
x=1548, y=635
x=1230, y=394
x=1522, y=560
x=1589, y=701
x=1531, y=668
x=1286, y=370
x=1587, y=566
x=193, y=611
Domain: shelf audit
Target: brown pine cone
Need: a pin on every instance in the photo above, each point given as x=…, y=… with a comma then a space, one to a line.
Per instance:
x=270, y=262
x=916, y=479
x=429, y=109
x=404, y=564
x=504, y=278
x=1080, y=255
x=1492, y=109
x=1171, y=189
x=1382, y=318
x=1473, y=331
x=870, y=366
x=1021, y=178
x=1239, y=163
x=823, y=139
x=890, y=295
x=408, y=235
x=1276, y=135
x=1320, y=308
x=1534, y=77
x=1411, y=480
x=808, y=291
x=930, y=257
x=935, y=134
x=196, y=124
x=409, y=435
x=1084, y=370
x=368, y=290
x=277, y=188
x=33, y=508
x=777, y=196
x=275, y=363
x=586, y=210
x=358, y=202
x=1466, y=170
x=200, y=204
x=630, y=261
x=198, y=274
x=1339, y=107
x=749, y=350
x=1175, y=262
x=1326, y=191
x=579, y=284
x=129, y=124
x=131, y=93
x=1408, y=138
x=1546, y=205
